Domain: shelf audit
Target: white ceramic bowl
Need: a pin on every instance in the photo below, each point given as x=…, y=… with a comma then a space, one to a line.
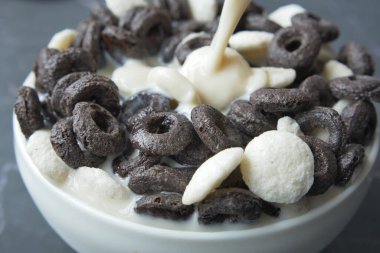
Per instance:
x=89, y=230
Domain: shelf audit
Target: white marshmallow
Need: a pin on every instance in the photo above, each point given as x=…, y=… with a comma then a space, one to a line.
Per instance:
x=279, y=77
x=320, y=133
x=44, y=157
x=204, y=10
x=257, y=80
x=278, y=167
x=120, y=7
x=334, y=69
x=97, y=184
x=211, y=174
x=252, y=45
x=174, y=84
x=288, y=124
x=30, y=80
x=341, y=104
x=283, y=15
x=63, y=39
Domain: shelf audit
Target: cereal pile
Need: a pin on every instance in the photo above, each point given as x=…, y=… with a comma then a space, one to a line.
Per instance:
x=226, y=162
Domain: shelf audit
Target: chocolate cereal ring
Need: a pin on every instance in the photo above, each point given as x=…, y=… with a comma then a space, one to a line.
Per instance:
x=360, y=120
x=177, y=9
x=215, y=129
x=327, y=118
x=97, y=130
x=350, y=157
x=357, y=58
x=184, y=49
x=28, y=111
x=318, y=90
x=123, y=165
x=92, y=88
x=280, y=100
x=165, y=133
x=103, y=15
x=255, y=22
x=325, y=165
x=65, y=144
x=356, y=87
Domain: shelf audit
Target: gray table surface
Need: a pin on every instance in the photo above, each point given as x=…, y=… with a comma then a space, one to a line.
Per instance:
x=27, y=25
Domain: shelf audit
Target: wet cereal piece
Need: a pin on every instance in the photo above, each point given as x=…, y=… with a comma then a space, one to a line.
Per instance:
x=52, y=65
x=92, y=88
x=184, y=49
x=88, y=38
x=65, y=144
x=215, y=129
x=318, y=90
x=350, y=157
x=294, y=48
x=164, y=205
x=97, y=130
x=270, y=209
x=150, y=25
x=232, y=205
x=235, y=179
x=48, y=113
x=326, y=118
x=28, y=110
x=251, y=120
x=356, y=87
x=170, y=44
x=326, y=29
x=60, y=88
x=325, y=165
x=177, y=9
x=357, y=58
x=123, y=165
x=165, y=133
x=141, y=105
x=360, y=120
x=280, y=100
x=159, y=178
x=103, y=15
x=121, y=43
x=260, y=23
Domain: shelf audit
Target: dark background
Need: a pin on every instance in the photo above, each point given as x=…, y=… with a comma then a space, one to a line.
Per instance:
x=26, y=27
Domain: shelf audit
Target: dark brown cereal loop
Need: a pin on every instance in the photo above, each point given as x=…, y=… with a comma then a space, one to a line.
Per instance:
x=97, y=130
x=325, y=165
x=187, y=26
x=177, y=9
x=123, y=165
x=294, y=48
x=356, y=87
x=187, y=47
x=318, y=90
x=52, y=65
x=103, y=15
x=142, y=104
x=270, y=209
x=164, y=205
x=232, y=205
x=215, y=129
x=91, y=88
x=48, y=113
x=251, y=120
x=326, y=118
x=28, y=111
x=326, y=29
x=160, y=178
x=348, y=160
x=39, y=68
x=360, y=120
x=169, y=46
x=280, y=100
x=254, y=22
x=65, y=144
x=165, y=133
x=357, y=58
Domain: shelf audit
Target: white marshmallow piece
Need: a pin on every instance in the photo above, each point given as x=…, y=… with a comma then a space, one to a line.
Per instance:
x=279, y=77
x=30, y=80
x=289, y=125
x=283, y=15
x=278, y=167
x=44, y=157
x=252, y=45
x=341, y=104
x=211, y=174
x=63, y=39
x=97, y=184
x=174, y=84
x=257, y=80
x=120, y=7
x=334, y=69
x=203, y=11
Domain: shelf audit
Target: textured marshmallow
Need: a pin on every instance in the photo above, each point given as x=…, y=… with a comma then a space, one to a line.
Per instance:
x=44, y=157
x=278, y=167
x=279, y=77
x=204, y=10
x=288, y=124
x=120, y=7
x=30, y=80
x=211, y=174
x=257, y=80
x=63, y=39
x=283, y=15
x=97, y=184
x=341, y=104
x=334, y=69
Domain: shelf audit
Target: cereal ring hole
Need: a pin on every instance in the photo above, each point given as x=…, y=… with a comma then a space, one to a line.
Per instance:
x=102, y=121
x=160, y=125
x=293, y=45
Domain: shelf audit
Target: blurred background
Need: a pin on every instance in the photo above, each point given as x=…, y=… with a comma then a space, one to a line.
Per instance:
x=25, y=28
